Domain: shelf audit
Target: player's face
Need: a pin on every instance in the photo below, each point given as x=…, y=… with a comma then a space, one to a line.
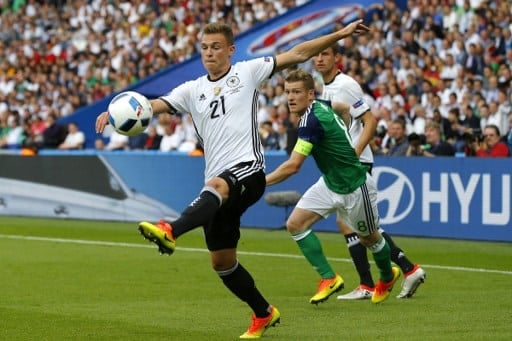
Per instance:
x=299, y=98
x=216, y=54
x=325, y=61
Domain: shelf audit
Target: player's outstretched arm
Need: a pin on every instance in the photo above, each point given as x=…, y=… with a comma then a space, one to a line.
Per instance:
x=159, y=107
x=286, y=169
x=303, y=51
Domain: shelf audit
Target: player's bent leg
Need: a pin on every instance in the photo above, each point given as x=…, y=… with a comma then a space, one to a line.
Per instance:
x=240, y=282
x=298, y=225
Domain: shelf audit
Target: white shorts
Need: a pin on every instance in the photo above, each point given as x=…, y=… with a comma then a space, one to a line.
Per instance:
x=358, y=209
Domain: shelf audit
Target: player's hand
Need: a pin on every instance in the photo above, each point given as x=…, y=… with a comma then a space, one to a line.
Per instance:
x=356, y=27
x=101, y=122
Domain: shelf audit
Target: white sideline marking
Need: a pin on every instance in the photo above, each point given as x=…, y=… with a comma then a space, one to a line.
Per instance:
x=265, y=254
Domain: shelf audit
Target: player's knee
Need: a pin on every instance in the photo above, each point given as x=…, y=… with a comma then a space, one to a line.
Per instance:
x=220, y=186
x=293, y=226
x=223, y=260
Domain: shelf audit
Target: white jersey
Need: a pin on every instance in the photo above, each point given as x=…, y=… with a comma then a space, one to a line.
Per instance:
x=224, y=114
x=344, y=88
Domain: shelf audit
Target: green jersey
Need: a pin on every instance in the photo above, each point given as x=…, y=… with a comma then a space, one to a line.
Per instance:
x=323, y=134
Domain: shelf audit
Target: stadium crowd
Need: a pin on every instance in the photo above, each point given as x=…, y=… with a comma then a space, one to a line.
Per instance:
x=437, y=74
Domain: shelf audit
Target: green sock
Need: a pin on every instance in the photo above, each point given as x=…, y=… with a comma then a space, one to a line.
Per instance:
x=382, y=256
x=311, y=247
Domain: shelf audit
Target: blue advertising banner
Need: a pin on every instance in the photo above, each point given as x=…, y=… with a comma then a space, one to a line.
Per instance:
x=467, y=198
x=460, y=198
x=463, y=198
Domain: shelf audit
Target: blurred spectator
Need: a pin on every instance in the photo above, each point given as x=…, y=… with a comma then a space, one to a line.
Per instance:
x=54, y=134
x=420, y=120
x=497, y=117
x=399, y=141
x=13, y=134
x=99, y=144
x=415, y=145
x=174, y=134
x=435, y=145
x=75, y=139
x=492, y=145
x=470, y=121
x=138, y=142
x=117, y=142
x=189, y=142
x=269, y=137
x=153, y=139
x=168, y=141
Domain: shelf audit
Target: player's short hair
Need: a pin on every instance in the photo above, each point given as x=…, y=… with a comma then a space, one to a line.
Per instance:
x=221, y=28
x=335, y=47
x=301, y=75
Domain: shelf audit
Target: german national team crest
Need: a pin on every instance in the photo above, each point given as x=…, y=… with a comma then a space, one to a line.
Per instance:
x=233, y=81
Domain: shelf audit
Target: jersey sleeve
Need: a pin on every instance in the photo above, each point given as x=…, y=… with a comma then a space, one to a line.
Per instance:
x=178, y=98
x=310, y=129
x=353, y=95
x=260, y=68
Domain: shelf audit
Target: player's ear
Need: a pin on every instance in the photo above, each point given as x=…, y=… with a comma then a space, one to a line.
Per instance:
x=337, y=57
x=311, y=94
x=231, y=50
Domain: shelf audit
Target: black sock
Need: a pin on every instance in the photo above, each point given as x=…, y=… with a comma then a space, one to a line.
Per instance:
x=241, y=283
x=198, y=213
x=360, y=258
x=397, y=255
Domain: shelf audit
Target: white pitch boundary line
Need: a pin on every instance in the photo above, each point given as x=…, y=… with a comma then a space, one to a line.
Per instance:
x=264, y=254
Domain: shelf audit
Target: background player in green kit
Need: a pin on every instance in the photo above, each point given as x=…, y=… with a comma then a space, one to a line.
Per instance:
x=344, y=187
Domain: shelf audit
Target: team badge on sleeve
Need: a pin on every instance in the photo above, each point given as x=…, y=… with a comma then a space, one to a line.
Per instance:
x=357, y=104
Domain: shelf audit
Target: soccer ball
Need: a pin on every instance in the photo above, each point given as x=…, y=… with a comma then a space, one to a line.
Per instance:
x=130, y=113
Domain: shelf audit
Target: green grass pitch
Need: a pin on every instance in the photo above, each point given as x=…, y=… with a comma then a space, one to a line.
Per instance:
x=86, y=280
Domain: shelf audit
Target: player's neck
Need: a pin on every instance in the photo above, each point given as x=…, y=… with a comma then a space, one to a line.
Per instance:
x=329, y=77
x=216, y=75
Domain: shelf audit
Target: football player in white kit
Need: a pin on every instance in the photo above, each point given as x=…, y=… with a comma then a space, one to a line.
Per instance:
x=343, y=88
x=223, y=105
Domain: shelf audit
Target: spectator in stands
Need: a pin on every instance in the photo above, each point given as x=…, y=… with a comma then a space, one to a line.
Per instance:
x=269, y=137
x=435, y=145
x=399, y=141
x=99, y=144
x=117, y=142
x=420, y=120
x=497, y=117
x=75, y=139
x=168, y=141
x=189, y=142
x=153, y=139
x=470, y=121
x=444, y=123
x=492, y=145
x=454, y=134
x=137, y=142
x=13, y=134
x=416, y=147
x=54, y=134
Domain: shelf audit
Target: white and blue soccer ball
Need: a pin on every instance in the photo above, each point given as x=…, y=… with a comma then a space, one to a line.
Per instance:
x=130, y=113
